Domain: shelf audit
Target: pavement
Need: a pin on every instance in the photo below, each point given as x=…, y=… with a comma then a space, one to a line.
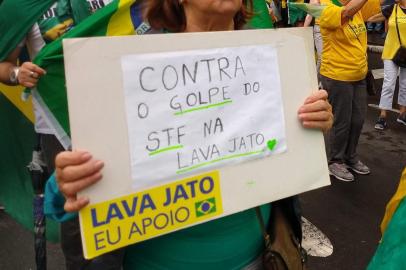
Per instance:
x=347, y=213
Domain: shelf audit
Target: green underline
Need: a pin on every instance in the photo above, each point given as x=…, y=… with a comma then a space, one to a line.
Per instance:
x=166, y=149
x=218, y=160
x=204, y=107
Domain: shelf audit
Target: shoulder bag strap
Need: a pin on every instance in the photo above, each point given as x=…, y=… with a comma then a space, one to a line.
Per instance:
x=396, y=24
x=265, y=234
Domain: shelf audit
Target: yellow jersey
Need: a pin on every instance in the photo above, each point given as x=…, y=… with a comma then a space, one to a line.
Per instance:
x=344, y=46
x=392, y=40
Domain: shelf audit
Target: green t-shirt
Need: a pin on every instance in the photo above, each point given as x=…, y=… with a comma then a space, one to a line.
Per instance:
x=64, y=14
x=56, y=21
x=231, y=242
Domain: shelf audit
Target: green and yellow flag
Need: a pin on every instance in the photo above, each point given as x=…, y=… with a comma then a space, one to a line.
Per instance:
x=391, y=251
x=17, y=136
x=16, y=19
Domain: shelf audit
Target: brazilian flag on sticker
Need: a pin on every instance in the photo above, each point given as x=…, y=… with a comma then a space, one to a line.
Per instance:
x=205, y=207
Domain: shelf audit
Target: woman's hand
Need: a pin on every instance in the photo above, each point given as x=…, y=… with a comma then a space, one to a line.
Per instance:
x=29, y=74
x=76, y=171
x=316, y=112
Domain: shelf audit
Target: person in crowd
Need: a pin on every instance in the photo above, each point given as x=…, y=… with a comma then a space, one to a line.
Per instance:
x=395, y=13
x=238, y=242
x=55, y=22
x=377, y=27
x=343, y=71
x=318, y=40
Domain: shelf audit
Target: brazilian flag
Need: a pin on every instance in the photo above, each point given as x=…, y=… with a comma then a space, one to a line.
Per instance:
x=205, y=207
x=17, y=136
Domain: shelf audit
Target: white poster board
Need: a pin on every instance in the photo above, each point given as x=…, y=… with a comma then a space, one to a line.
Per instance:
x=191, y=127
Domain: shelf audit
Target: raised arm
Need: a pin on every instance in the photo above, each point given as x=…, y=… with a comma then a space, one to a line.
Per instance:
x=351, y=9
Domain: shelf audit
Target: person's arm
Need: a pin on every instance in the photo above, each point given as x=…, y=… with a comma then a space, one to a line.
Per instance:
x=74, y=172
x=7, y=66
x=28, y=73
x=308, y=20
x=316, y=112
x=351, y=9
x=377, y=18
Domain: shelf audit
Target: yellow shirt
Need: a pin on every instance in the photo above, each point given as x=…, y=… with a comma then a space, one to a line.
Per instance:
x=344, y=46
x=392, y=41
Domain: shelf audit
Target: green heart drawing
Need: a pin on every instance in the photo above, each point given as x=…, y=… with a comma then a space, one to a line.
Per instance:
x=271, y=144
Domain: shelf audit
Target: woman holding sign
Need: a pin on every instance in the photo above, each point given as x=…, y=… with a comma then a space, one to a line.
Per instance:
x=232, y=242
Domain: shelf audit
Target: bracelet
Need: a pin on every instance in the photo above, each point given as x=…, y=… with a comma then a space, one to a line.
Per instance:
x=14, y=75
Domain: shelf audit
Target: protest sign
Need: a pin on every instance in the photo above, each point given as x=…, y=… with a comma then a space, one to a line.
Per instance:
x=191, y=127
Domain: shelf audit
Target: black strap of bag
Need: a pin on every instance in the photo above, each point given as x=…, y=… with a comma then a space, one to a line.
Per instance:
x=396, y=24
x=282, y=249
x=400, y=56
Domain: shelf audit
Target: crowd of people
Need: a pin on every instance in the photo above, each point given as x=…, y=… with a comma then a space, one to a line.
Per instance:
x=337, y=108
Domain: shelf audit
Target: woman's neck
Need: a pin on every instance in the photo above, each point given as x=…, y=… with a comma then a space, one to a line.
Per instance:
x=203, y=23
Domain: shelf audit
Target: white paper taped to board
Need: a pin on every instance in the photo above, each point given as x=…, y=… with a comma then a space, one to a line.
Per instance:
x=197, y=110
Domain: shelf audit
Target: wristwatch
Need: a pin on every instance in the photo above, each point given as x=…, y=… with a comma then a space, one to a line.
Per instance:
x=14, y=75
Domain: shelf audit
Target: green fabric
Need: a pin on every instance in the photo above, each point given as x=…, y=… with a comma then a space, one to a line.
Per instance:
x=390, y=254
x=17, y=140
x=16, y=19
x=54, y=16
x=52, y=86
x=261, y=18
x=313, y=10
x=228, y=243
x=295, y=13
x=337, y=3
x=80, y=9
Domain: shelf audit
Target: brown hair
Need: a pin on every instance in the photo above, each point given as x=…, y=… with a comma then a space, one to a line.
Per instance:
x=169, y=14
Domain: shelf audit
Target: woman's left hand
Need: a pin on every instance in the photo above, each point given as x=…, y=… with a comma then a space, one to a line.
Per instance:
x=316, y=112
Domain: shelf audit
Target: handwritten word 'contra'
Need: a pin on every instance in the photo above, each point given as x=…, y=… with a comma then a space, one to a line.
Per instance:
x=202, y=71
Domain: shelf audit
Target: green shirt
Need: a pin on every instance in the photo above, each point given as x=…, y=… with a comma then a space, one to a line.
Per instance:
x=231, y=242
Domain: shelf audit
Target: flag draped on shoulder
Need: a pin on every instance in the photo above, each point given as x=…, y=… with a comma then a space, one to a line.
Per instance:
x=16, y=19
x=297, y=9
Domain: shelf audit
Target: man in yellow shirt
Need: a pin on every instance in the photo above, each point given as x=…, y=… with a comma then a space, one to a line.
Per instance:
x=343, y=70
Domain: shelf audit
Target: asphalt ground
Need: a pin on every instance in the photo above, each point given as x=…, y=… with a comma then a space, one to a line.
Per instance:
x=349, y=214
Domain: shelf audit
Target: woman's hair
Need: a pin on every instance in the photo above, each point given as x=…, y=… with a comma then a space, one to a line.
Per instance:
x=169, y=14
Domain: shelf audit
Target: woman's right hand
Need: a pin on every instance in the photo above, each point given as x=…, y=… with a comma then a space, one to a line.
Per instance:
x=76, y=171
x=29, y=74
